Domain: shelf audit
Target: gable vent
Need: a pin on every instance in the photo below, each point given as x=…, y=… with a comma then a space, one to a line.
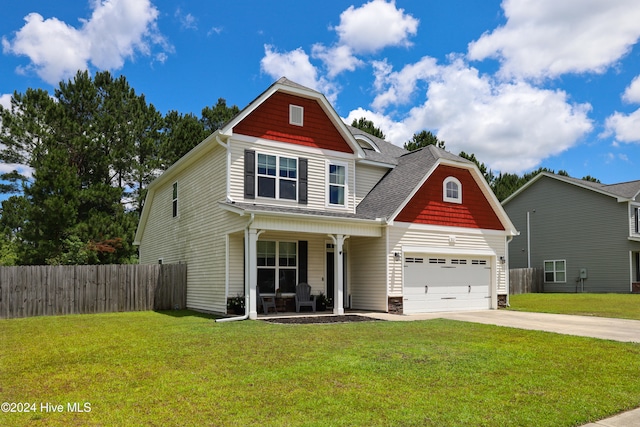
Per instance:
x=296, y=115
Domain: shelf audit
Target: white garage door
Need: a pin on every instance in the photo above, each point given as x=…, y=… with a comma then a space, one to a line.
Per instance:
x=444, y=282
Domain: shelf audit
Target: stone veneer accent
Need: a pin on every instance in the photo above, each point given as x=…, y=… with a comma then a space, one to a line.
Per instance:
x=395, y=305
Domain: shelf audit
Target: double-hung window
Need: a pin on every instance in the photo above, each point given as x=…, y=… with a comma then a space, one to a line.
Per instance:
x=277, y=266
x=555, y=271
x=637, y=219
x=277, y=177
x=337, y=184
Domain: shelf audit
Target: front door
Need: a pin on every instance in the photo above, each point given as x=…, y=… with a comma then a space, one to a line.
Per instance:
x=330, y=276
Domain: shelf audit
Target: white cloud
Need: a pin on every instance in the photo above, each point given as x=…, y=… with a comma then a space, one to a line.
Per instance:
x=511, y=127
x=187, y=21
x=364, y=30
x=625, y=127
x=397, y=87
x=337, y=59
x=375, y=25
x=116, y=30
x=632, y=93
x=547, y=38
x=5, y=100
x=296, y=66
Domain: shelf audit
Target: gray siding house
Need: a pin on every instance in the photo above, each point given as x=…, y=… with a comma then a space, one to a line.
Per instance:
x=585, y=235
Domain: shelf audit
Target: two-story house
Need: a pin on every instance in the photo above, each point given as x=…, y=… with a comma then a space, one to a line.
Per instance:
x=287, y=193
x=585, y=235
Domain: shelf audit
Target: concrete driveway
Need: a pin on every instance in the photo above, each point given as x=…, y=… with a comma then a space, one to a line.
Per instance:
x=585, y=326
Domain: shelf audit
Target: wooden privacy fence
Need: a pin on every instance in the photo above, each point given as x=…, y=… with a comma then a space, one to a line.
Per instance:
x=526, y=280
x=27, y=291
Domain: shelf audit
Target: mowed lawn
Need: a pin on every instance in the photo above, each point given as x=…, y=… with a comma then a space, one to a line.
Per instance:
x=183, y=369
x=622, y=306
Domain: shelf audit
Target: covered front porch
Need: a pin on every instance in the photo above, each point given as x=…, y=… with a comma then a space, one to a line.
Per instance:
x=280, y=250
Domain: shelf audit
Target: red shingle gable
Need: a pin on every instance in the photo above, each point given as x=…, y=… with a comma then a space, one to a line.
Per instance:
x=427, y=206
x=270, y=120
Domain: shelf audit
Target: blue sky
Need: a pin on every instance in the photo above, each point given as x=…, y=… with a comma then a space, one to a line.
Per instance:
x=519, y=83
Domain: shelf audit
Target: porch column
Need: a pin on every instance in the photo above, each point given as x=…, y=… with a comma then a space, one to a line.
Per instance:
x=338, y=304
x=252, y=272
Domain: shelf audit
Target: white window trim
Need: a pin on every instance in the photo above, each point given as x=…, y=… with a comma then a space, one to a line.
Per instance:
x=277, y=177
x=277, y=266
x=294, y=112
x=328, y=184
x=174, y=200
x=444, y=190
x=555, y=272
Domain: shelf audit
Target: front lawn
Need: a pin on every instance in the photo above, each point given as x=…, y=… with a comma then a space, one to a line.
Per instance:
x=180, y=368
x=623, y=306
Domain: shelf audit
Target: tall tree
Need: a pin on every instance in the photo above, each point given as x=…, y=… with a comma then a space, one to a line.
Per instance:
x=368, y=126
x=423, y=139
x=487, y=173
x=214, y=118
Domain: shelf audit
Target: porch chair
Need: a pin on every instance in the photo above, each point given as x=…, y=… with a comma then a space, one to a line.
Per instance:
x=266, y=302
x=304, y=297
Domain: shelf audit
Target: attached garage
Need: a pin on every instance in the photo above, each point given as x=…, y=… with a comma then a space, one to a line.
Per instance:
x=443, y=282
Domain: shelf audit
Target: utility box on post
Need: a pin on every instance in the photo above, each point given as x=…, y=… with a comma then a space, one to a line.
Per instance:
x=583, y=273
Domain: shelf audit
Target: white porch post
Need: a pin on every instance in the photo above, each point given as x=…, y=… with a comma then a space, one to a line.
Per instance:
x=252, y=272
x=338, y=306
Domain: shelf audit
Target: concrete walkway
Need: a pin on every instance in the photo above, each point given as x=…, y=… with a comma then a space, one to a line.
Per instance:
x=584, y=326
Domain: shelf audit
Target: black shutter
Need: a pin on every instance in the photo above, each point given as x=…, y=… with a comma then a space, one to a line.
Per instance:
x=303, y=264
x=302, y=181
x=249, y=174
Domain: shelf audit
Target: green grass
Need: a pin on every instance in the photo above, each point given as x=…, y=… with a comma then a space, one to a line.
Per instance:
x=623, y=306
x=180, y=368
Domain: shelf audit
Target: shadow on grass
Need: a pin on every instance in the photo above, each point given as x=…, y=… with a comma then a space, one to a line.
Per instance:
x=187, y=313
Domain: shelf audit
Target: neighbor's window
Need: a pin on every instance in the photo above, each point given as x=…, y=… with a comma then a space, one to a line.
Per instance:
x=277, y=260
x=637, y=214
x=452, y=190
x=337, y=184
x=555, y=271
x=277, y=177
x=175, y=199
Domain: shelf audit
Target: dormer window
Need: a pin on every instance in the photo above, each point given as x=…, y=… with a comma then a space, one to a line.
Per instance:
x=452, y=190
x=296, y=115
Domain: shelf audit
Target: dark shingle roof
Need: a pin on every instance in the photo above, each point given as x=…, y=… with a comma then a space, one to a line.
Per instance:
x=389, y=153
x=396, y=186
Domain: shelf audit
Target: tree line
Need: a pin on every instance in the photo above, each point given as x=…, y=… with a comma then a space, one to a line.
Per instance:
x=503, y=184
x=88, y=152
x=84, y=157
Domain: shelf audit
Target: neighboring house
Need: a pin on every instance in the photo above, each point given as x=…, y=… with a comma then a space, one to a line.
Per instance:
x=584, y=235
x=287, y=193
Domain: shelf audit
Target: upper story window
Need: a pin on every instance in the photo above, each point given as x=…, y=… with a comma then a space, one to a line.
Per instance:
x=277, y=177
x=175, y=199
x=452, y=190
x=555, y=271
x=637, y=220
x=296, y=115
x=337, y=184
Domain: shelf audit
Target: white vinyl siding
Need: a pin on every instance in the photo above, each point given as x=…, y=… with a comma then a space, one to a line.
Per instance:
x=197, y=236
x=368, y=285
x=366, y=178
x=403, y=235
x=316, y=174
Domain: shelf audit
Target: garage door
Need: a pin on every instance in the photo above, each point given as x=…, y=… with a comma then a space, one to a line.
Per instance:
x=444, y=282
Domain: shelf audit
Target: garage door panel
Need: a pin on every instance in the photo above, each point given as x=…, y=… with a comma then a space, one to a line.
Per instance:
x=435, y=282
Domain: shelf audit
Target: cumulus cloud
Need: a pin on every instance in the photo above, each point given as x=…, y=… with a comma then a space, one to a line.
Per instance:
x=512, y=127
x=548, y=38
x=5, y=100
x=296, y=66
x=365, y=30
x=632, y=93
x=625, y=127
x=374, y=26
x=116, y=30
